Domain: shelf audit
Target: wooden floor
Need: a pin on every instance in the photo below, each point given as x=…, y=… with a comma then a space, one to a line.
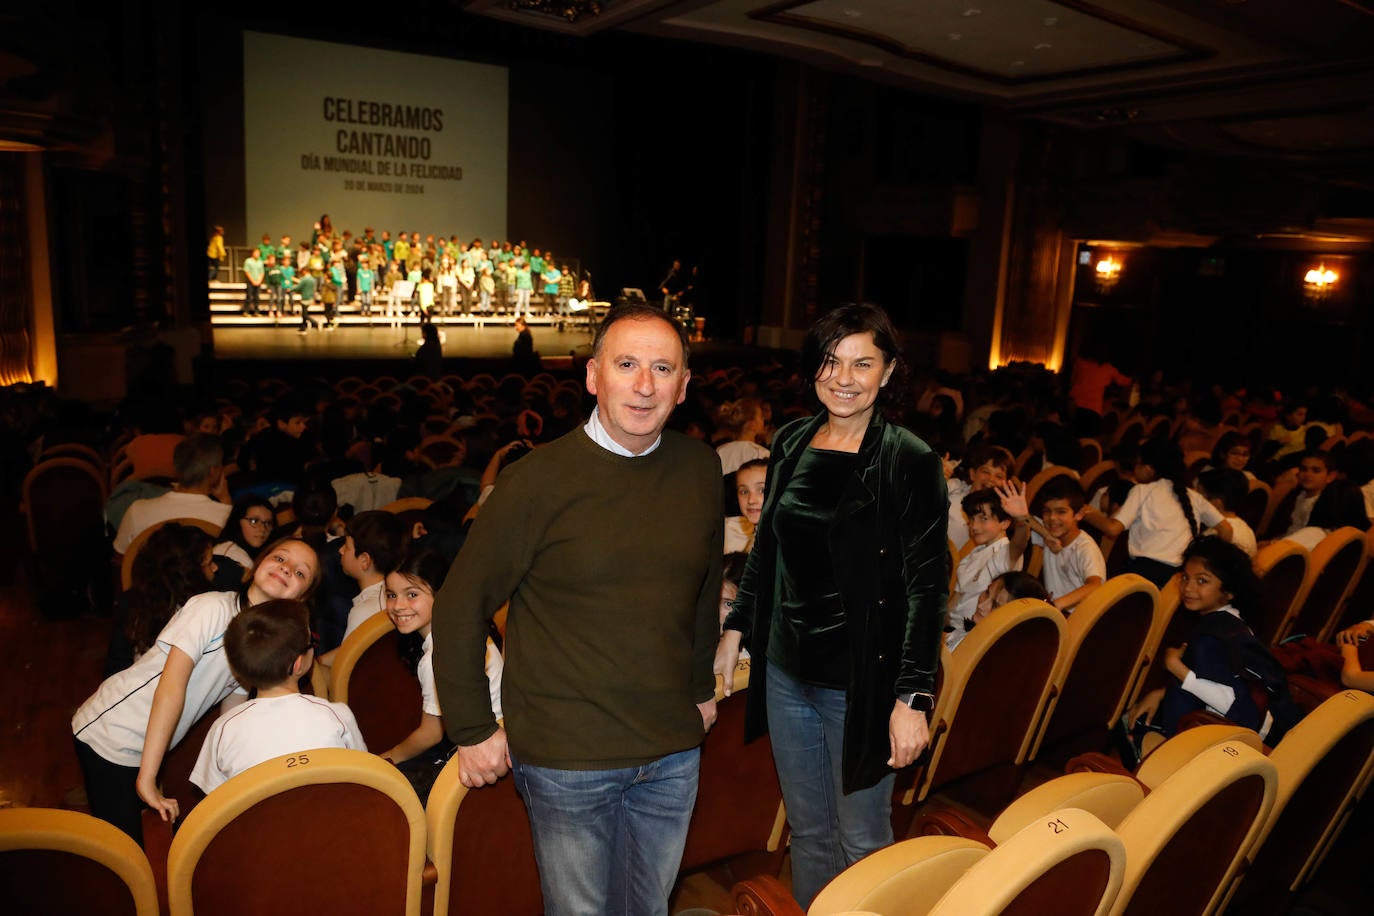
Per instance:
x=47, y=669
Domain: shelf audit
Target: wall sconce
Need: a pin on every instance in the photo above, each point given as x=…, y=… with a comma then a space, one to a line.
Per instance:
x=1107, y=271
x=1319, y=281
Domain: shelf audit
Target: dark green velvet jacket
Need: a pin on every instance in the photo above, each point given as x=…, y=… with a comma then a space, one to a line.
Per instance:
x=890, y=551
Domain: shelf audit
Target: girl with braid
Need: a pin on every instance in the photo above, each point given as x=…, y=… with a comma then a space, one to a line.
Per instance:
x=1161, y=513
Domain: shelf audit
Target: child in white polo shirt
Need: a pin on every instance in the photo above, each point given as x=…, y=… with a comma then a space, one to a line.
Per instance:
x=992, y=515
x=270, y=649
x=1073, y=565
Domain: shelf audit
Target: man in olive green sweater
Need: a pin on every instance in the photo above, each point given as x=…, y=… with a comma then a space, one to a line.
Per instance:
x=607, y=543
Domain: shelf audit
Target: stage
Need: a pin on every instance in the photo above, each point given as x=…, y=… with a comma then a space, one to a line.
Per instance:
x=358, y=341
x=260, y=350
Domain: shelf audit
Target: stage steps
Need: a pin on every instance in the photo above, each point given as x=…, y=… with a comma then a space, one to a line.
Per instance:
x=226, y=310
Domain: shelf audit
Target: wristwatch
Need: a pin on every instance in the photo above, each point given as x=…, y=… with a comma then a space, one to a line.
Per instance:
x=921, y=702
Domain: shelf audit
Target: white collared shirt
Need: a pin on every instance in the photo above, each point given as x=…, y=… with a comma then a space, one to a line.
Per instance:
x=603, y=438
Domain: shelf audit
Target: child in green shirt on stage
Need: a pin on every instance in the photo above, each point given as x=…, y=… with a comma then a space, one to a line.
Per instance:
x=273, y=282
x=366, y=279
x=288, y=284
x=307, y=286
x=524, y=288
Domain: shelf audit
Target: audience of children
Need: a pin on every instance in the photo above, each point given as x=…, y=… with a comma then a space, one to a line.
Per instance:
x=124, y=729
x=1161, y=513
x=269, y=649
x=284, y=441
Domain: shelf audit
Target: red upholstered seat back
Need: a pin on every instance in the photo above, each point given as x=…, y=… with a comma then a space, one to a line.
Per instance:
x=41, y=882
x=336, y=847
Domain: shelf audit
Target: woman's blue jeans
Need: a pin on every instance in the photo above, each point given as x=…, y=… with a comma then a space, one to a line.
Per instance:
x=830, y=830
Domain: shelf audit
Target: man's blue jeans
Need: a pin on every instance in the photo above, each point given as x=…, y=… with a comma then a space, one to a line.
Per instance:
x=830, y=830
x=609, y=841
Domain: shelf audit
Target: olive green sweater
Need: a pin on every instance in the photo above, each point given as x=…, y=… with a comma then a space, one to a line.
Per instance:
x=612, y=568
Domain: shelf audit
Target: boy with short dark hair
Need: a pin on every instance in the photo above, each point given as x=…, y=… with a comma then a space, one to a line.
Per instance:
x=372, y=548
x=1314, y=473
x=269, y=649
x=1073, y=565
x=993, y=513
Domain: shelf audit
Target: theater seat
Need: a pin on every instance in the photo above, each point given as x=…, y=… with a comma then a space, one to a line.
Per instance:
x=1105, y=651
x=1333, y=570
x=1324, y=764
x=993, y=691
x=369, y=675
x=1167, y=757
x=1282, y=570
x=330, y=830
x=1186, y=842
x=739, y=813
x=1186, y=839
x=479, y=842
x=54, y=861
x=1067, y=862
x=906, y=878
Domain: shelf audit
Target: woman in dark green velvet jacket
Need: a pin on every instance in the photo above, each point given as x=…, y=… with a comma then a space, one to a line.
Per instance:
x=843, y=600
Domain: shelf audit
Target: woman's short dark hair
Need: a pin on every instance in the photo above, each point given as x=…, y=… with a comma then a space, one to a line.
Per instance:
x=855, y=318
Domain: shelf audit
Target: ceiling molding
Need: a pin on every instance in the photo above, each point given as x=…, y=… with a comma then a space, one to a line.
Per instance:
x=614, y=13
x=1186, y=51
